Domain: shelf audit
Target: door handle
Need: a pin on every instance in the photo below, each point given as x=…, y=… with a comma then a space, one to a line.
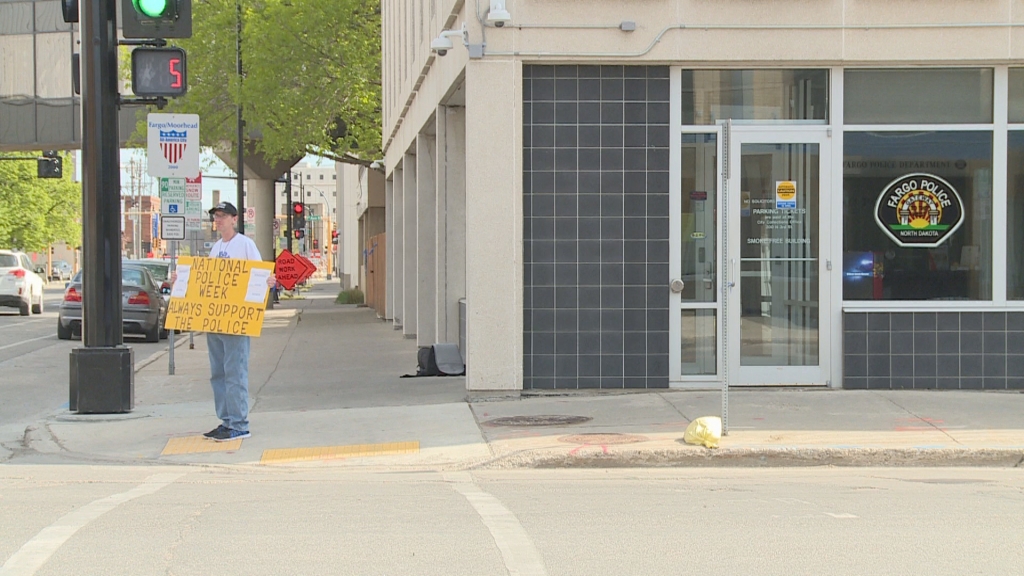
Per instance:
x=677, y=285
x=731, y=274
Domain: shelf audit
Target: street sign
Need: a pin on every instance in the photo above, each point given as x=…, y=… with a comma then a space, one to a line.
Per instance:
x=194, y=188
x=193, y=215
x=172, y=196
x=250, y=214
x=291, y=269
x=173, y=150
x=172, y=228
x=310, y=268
x=277, y=226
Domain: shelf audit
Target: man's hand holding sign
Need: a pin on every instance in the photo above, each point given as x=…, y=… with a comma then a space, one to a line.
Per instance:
x=220, y=295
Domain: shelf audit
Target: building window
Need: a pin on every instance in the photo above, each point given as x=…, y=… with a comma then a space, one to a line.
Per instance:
x=713, y=95
x=918, y=96
x=309, y=177
x=334, y=176
x=321, y=176
x=917, y=215
x=335, y=193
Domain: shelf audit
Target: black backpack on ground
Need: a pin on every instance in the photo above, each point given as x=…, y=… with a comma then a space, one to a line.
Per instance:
x=441, y=359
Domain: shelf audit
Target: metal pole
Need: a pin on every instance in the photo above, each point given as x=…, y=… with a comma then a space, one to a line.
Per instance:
x=288, y=210
x=170, y=335
x=101, y=374
x=241, y=125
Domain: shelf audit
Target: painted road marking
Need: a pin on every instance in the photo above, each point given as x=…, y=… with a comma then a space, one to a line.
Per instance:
x=197, y=444
x=31, y=557
x=284, y=455
x=17, y=324
x=517, y=549
x=27, y=341
x=842, y=515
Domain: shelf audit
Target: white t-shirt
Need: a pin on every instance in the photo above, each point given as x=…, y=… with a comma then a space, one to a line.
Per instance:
x=240, y=246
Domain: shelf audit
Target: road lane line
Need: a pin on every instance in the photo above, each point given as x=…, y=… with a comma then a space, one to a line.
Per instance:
x=16, y=324
x=26, y=341
x=31, y=557
x=517, y=550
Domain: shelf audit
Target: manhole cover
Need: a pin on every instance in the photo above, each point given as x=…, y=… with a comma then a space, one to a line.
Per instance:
x=548, y=420
x=598, y=439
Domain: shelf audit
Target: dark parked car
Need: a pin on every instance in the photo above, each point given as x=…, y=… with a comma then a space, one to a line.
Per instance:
x=160, y=269
x=143, y=307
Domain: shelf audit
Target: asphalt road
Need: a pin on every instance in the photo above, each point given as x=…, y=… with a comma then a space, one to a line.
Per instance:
x=34, y=363
x=320, y=520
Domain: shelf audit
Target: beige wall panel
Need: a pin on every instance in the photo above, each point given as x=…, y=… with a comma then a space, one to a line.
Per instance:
x=950, y=45
x=762, y=47
x=1016, y=53
x=772, y=13
x=494, y=216
x=859, y=12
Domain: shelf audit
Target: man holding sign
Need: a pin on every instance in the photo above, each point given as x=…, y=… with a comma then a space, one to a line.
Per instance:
x=225, y=296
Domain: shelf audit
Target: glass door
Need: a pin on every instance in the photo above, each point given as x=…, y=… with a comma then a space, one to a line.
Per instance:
x=777, y=286
x=695, y=288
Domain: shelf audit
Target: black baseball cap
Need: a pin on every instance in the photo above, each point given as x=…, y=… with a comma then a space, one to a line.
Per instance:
x=225, y=207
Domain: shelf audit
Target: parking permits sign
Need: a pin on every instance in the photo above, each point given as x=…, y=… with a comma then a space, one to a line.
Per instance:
x=785, y=195
x=173, y=150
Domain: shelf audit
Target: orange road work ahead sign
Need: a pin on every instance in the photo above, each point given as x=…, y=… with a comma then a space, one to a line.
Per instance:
x=219, y=295
x=292, y=269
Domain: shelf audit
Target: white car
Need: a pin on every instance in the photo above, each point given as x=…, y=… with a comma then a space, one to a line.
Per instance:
x=20, y=287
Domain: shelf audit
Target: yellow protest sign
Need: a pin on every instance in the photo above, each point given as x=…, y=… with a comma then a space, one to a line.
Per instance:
x=219, y=295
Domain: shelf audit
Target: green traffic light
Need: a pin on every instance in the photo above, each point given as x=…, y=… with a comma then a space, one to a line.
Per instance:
x=151, y=8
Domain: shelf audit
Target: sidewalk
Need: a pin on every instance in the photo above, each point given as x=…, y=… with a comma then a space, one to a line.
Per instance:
x=325, y=387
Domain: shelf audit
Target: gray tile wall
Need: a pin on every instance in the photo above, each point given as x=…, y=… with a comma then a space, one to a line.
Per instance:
x=596, y=188
x=944, y=350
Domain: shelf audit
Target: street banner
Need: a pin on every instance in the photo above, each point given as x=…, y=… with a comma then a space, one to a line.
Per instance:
x=291, y=269
x=173, y=145
x=219, y=295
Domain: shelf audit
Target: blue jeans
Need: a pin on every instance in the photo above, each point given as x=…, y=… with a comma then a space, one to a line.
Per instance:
x=229, y=377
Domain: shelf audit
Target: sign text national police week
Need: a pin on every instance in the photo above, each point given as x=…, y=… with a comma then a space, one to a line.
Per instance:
x=919, y=210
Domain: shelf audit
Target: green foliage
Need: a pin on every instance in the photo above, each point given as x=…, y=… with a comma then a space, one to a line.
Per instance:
x=34, y=212
x=312, y=76
x=353, y=296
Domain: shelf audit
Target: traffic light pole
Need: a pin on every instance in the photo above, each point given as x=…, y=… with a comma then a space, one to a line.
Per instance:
x=288, y=193
x=102, y=375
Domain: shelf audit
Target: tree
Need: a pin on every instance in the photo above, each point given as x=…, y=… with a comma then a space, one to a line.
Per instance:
x=312, y=76
x=34, y=212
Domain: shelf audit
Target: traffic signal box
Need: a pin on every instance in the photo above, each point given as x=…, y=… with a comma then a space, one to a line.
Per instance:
x=334, y=237
x=51, y=165
x=298, y=216
x=299, y=234
x=156, y=18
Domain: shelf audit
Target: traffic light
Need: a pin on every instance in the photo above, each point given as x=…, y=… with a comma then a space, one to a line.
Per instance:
x=159, y=72
x=298, y=215
x=316, y=243
x=156, y=18
x=51, y=165
x=299, y=234
x=334, y=237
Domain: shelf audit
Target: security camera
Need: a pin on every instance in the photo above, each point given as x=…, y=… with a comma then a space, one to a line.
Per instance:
x=441, y=45
x=498, y=15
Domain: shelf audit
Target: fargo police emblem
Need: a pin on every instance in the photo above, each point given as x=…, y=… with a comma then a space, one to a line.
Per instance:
x=919, y=210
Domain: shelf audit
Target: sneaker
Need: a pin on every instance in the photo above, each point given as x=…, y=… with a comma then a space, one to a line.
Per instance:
x=228, y=434
x=215, y=431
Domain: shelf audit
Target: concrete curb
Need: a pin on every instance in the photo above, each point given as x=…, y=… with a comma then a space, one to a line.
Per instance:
x=762, y=458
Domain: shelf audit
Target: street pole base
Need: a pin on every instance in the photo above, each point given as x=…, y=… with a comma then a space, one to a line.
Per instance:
x=102, y=380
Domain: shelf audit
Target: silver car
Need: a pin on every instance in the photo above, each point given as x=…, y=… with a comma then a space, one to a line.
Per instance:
x=143, y=308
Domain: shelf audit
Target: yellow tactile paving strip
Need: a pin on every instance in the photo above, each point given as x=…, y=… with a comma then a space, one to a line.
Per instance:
x=196, y=444
x=285, y=455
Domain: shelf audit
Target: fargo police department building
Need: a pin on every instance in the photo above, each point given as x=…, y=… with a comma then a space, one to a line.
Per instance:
x=681, y=193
